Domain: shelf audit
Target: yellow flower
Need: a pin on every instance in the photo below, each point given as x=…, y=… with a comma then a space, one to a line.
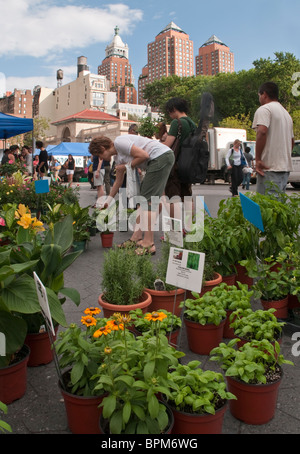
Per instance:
x=104, y=330
x=25, y=221
x=37, y=225
x=123, y=318
x=114, y=325
x=107, y=350
x=92, y=310
x=88, y=320
x=155, y=316
x=21, y=211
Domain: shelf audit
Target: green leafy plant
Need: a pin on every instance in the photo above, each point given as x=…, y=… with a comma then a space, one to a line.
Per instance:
x=144, y=324
x=258, y=325
x=121, y=280
x=51, y=257
x=197, y=391
x=256, y=362
x=204, y=310
x=4, y=427
x=271, y=283
x=81, y=221
x=80, y=353
x=232, y=296
x=133, y=372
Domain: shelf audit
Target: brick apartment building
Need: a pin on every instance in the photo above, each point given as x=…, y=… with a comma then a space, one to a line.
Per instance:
x=214, y=57
x=17, y=103
x=118, y=70
x=171, y=53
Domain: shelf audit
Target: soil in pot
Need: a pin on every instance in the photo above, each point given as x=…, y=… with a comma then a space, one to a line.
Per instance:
x=13, y=378
x=83, y=413
x=255, y=404
x=203, y=338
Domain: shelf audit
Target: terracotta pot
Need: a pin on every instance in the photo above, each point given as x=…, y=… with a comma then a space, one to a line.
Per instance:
x=162, y=299
x=255, y=404
x=293, y=301
x=109, y=309
x=230, y=280
x=228, y=332
x=13, y=378
x=242, y=275
x=107, y=239
x=40, y=348
x=104, y=428
x=189, y=423
x=281, y=307
x=83, y=413
x=203, y=338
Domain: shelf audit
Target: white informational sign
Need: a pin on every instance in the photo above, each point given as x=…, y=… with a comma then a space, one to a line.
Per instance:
x=43, y=300
x=172, y=229
x=185, y=269
x=62, y=159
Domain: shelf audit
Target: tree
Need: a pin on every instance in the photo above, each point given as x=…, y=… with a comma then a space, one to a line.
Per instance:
x=40, y=127
x=239, y=122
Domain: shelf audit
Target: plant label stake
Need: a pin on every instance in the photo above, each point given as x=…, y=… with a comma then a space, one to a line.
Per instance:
x=185, y=270
x=251, y=211
x=45, y=309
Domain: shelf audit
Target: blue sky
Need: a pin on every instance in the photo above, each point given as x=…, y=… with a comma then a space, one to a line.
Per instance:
x=37, y=37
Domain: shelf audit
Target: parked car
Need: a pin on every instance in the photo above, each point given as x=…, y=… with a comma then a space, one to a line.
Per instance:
x=294, y=178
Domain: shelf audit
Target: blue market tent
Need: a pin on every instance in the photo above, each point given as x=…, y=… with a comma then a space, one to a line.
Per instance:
x=12, y=126
x=73, y=148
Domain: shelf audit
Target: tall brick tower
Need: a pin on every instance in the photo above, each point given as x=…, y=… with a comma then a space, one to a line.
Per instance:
x=170, y=53
x=117, y=69
x=214, y=57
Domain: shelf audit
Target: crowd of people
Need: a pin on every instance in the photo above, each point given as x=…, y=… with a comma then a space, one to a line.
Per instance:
x=274, y=144
x=155, y=159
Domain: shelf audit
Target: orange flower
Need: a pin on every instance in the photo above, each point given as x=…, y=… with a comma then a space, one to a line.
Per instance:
x=88, y=320
x=114, y=325
x=104, y=330
x=92, y=310
x=155, y=316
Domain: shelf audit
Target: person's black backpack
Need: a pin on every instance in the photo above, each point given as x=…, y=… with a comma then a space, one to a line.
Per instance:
x=192, y=159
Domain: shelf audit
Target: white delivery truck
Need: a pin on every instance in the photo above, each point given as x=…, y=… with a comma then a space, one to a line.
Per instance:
x=220, y=140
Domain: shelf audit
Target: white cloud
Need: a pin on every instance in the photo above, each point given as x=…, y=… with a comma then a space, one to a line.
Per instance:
x=37, y=28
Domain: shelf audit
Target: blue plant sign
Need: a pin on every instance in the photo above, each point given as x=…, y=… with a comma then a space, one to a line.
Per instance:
x=251, y=212
x=41, y=186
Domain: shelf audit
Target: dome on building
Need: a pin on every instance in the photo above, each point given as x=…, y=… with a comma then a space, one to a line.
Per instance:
x=213, y=40
x=171, y=26
x=117, y=47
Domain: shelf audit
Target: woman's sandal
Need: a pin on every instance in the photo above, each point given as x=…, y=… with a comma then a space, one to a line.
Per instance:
x=141, y=250
x=128, y=244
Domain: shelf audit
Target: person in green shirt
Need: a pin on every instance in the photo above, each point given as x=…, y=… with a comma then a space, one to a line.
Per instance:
x=177, y=108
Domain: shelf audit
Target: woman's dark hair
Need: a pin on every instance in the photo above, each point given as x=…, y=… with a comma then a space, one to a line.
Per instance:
x=179, y=104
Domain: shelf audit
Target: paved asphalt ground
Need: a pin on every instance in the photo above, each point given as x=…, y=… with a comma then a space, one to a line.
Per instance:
x=41, y=410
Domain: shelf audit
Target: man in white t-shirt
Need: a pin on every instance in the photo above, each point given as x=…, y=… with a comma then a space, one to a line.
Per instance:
x=274, y=141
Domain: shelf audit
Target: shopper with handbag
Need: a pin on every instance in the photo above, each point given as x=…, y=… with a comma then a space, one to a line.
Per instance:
x=235, y=161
